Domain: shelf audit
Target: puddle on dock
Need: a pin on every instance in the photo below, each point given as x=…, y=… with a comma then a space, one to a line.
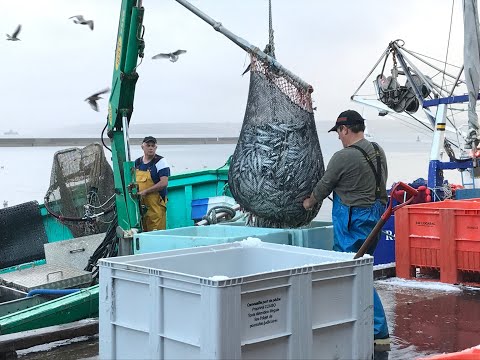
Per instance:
x=428, y=318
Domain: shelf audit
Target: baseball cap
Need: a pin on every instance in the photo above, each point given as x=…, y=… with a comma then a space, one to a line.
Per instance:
x=348, y=117
x=149, y=139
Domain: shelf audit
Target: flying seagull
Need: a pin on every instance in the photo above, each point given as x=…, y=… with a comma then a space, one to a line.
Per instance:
x=14, y=37
x=92, y=99
x=78, y=19
x=171, y=56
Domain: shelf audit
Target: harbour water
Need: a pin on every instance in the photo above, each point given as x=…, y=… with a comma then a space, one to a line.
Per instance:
x=25, y=171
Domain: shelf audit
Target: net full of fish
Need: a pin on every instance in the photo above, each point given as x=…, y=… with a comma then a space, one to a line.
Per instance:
x=278, y=159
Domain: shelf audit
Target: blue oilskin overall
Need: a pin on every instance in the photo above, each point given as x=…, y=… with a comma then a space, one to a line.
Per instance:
x=351, y=227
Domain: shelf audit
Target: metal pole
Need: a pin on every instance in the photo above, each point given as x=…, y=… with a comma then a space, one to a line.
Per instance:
x=457, y=80
x=385, y=53
x=245, y=45
x=126, y=139
x=439, y=132
x=429, y=64
x=407, y=62
x=409, y=77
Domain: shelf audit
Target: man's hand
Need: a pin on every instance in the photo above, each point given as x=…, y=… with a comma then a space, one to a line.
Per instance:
x=142, y=193
x=309, y=203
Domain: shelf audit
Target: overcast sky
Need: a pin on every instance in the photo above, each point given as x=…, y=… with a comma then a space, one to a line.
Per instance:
x=330, y=44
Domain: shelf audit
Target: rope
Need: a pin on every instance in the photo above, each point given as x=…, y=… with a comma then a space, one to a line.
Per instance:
x=385, y=62
x=395, y=66
x=432, y=58
x=211, y=215
x=270, y=30
x=448, y=45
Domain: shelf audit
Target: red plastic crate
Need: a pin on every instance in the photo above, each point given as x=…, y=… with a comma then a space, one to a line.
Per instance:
x=441, y=235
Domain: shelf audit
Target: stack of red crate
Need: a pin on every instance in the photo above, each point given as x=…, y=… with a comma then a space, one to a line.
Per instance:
x=444, y=236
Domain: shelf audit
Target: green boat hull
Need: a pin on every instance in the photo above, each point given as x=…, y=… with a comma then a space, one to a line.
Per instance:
x=73, y=307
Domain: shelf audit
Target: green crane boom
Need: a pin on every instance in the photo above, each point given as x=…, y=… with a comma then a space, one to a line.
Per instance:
x=129, y=48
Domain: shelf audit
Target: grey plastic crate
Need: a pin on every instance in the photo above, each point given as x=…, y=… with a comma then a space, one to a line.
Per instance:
x=193, y=236
x=242, y=300
x=316, y=235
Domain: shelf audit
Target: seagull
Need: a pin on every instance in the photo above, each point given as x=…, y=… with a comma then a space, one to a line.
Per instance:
x=171, y=56
x=80, y=20
x=14, y=37
x=92, y=99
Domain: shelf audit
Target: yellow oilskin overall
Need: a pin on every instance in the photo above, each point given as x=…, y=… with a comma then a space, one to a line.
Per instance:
x=155, y=217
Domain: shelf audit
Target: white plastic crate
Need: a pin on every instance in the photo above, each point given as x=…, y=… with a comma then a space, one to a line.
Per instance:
x=242, y=300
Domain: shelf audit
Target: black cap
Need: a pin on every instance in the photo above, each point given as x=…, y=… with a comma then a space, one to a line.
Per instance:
x=149, y=139
x=348, y=117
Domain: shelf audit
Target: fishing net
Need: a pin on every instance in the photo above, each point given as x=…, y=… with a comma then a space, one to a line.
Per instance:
x=22, y=234
x=81, y=192
x=277, y=160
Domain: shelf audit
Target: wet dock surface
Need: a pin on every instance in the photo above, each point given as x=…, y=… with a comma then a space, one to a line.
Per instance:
x=428, y=318
x=424, y=319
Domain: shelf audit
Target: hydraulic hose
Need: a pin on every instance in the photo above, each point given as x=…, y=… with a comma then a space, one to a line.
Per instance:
x=51, y=292
x=70, y=218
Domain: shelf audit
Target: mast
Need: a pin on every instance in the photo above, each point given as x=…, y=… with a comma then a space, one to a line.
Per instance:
x=471, y=55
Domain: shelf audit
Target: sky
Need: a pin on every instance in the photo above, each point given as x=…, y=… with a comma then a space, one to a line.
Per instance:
x=330, y=44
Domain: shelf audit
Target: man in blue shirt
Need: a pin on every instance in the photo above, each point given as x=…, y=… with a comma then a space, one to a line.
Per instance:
x=152, y=172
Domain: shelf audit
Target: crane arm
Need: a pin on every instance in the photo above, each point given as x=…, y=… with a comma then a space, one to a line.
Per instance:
x=129, y=49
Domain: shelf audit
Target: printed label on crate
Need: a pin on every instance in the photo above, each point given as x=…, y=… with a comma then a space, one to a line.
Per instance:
x=425, y=223
x=264, y=313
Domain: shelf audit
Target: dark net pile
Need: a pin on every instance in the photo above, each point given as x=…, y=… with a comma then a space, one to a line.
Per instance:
x=278, y=159
x=81, y=186
x=22, y=234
